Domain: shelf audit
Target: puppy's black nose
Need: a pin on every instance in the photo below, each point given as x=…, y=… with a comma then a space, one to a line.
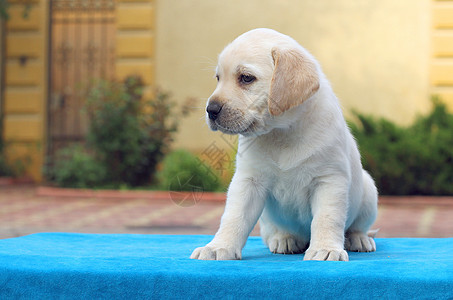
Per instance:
x=214, y=109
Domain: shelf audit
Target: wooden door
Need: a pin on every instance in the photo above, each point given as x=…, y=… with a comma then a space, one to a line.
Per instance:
x=81, y=50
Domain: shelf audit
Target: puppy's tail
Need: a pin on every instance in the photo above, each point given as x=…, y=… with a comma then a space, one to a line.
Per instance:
x=373, y=233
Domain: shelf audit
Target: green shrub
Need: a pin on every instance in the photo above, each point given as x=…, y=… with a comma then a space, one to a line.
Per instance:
x=128, y=136
x=183, y=171
x=5, y=169
x=11, y=167
x=412, y=160
x=119, y=132
x=77, y=168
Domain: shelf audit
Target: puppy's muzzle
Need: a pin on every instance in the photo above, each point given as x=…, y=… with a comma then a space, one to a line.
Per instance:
x=214, y=109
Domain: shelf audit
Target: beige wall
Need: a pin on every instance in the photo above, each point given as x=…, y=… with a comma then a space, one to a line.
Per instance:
x=375, y=53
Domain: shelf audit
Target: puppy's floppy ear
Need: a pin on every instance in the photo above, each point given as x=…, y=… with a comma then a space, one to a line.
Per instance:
x=294, y=80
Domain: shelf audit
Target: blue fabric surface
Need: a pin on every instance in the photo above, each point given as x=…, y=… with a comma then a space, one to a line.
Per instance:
x=125, y=266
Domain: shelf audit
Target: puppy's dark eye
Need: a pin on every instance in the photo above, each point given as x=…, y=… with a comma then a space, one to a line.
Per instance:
x=247, y=79
x=217, y=77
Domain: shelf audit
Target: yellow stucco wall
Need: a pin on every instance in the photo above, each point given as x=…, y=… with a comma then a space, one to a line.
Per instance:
x=135, y=40
x=442, y=50
x=25, y=91
x=375, y=53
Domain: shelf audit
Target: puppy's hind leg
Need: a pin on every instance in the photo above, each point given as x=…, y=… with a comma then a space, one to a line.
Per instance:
x=280, y=241
x=358, y=237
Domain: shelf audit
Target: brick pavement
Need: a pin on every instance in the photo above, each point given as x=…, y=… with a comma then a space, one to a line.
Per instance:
x=27, y=209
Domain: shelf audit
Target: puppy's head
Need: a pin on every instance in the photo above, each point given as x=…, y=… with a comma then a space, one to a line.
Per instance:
x=261, y=75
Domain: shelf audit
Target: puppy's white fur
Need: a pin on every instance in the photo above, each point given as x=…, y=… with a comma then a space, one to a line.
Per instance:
x=298, y=166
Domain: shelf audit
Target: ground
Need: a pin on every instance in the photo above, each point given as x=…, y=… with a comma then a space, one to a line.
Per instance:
x=26, y=209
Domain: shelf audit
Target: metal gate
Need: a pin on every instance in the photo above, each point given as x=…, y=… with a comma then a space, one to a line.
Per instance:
x=82, y=36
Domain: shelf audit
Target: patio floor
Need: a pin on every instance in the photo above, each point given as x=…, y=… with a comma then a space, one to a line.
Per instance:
x=27, y=209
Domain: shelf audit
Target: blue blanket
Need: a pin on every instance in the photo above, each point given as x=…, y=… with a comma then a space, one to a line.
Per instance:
x=124, y=266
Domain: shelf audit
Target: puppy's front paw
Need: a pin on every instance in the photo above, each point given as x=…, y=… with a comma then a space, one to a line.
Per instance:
x=215, y=253
x=286, y=244
x=326, y=254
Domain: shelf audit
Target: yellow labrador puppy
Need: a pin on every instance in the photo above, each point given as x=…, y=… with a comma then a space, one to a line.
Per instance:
x=298, y=167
